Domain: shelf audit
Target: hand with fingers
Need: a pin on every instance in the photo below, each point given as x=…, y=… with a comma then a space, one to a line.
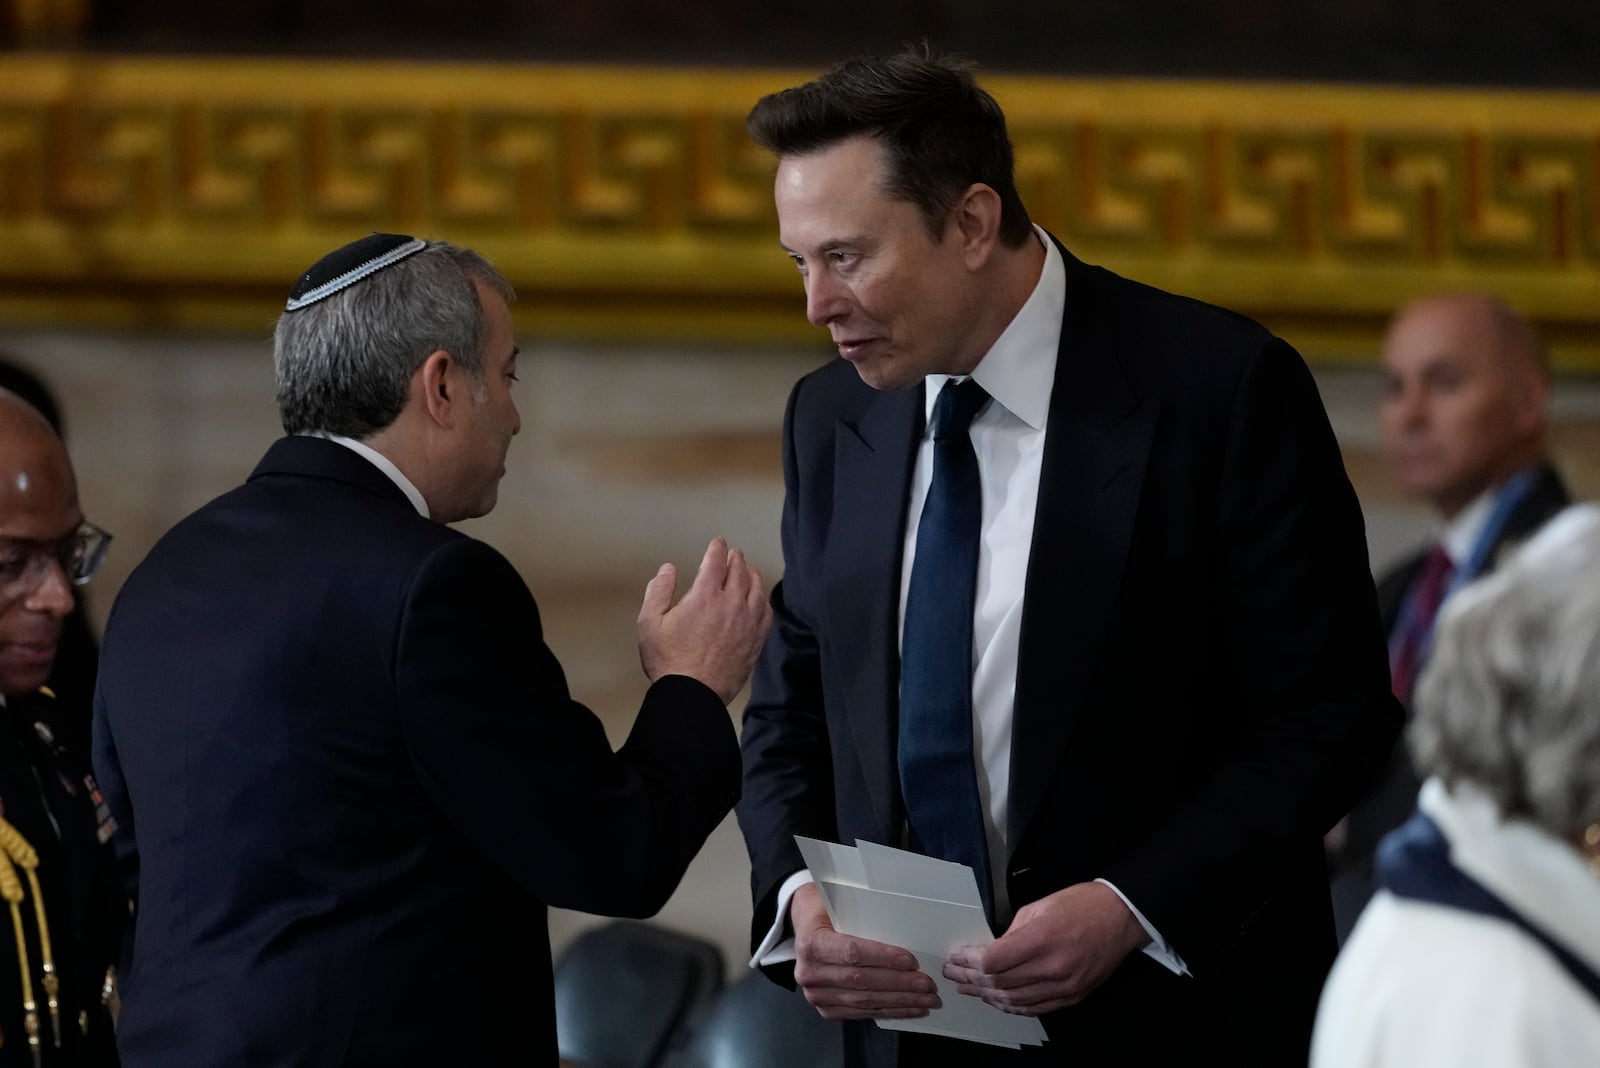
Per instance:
x=847, y=978
x=715, y=632
x=1056, y=951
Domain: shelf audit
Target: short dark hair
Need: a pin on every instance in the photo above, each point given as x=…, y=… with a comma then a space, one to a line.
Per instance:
x=940, y=132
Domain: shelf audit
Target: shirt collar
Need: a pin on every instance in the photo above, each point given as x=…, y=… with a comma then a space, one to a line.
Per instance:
x=1462, y=534
x=1013, y=371
x=382, y=463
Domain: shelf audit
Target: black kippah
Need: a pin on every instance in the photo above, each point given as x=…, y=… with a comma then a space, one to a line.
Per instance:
x=348, y=265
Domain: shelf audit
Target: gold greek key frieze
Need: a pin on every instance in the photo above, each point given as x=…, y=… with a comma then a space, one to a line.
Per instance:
x=626, y=201
x=1418, y=198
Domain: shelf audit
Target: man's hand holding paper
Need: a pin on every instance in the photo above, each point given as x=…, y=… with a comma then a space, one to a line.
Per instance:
x=873, y=935
x=1057, y=950
x=849, y=978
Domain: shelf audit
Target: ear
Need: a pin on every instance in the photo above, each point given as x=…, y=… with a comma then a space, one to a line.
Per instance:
x=977, y=219
x=436, y=388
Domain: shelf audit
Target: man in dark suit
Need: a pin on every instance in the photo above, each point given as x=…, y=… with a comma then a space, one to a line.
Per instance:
x=1464, y=409
x=348, y=770
x=1176, y=680
x=66, y=909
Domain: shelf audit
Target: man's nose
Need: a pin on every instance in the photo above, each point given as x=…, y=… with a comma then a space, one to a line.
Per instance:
x=824, y=299
x=1411, y=405
x=52, y=589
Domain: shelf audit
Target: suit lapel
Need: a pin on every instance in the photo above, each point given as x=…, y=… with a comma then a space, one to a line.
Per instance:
x=1097, y=445
x=873, y=461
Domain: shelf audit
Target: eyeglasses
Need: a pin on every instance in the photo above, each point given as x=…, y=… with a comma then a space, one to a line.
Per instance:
x=24, y=562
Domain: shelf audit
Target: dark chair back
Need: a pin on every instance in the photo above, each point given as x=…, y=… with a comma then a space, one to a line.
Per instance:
x=754, y=1023
x=627, y=992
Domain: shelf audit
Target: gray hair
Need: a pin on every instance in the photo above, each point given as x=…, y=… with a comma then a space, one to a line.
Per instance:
x=1510, y=697
x=344, y=364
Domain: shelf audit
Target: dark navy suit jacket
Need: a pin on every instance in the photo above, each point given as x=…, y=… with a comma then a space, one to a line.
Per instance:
x=350, y=779
x=1394, y=798
x=1201, y=689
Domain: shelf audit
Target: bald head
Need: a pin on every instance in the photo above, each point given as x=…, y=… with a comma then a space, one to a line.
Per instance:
x=1506, y=334
x=31, y=454
x=1466, y=382
x=38, y=510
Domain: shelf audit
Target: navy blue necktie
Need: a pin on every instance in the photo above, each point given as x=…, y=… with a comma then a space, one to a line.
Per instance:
x=938, y=778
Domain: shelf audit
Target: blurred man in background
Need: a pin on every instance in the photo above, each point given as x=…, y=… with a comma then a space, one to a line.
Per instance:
x=1464, y=411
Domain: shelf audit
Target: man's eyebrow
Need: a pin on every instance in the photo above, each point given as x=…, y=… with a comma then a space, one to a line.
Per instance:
x=827, y=246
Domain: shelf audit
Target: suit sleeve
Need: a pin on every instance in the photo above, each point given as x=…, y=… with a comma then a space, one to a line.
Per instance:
x=526, y=773
x=1311, y=718
x=788, y=782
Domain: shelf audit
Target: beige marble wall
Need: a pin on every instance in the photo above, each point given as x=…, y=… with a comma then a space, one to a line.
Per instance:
x=628, y=456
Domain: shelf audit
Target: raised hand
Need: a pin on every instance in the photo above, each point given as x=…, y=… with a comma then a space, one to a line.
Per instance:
x=715, y=632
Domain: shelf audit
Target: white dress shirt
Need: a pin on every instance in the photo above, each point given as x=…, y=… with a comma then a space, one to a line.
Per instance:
x=382, y=463
x=1008, y=436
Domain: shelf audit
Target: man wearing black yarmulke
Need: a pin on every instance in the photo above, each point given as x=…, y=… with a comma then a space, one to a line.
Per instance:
x=348, y=772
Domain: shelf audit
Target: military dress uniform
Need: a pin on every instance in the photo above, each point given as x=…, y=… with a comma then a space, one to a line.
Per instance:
x=62, y=911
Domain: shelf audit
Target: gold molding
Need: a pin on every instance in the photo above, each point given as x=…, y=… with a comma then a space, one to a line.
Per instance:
x=628, y=203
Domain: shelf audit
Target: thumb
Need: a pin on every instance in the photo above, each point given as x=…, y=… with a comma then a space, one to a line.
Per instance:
x=807, y=911
x=658, y=593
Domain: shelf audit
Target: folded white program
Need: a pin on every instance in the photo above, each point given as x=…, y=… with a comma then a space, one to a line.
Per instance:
x=923, y=905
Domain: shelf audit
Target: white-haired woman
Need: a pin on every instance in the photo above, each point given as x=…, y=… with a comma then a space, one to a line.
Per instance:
x=1483, y=945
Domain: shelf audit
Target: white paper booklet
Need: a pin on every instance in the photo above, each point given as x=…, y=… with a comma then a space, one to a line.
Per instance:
x=923, y=905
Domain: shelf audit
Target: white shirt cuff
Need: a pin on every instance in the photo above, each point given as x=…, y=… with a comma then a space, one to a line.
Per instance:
x=778, y=946
x=1157, y=950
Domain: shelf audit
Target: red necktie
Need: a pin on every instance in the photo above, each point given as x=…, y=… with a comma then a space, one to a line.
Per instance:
x=1407, y=652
